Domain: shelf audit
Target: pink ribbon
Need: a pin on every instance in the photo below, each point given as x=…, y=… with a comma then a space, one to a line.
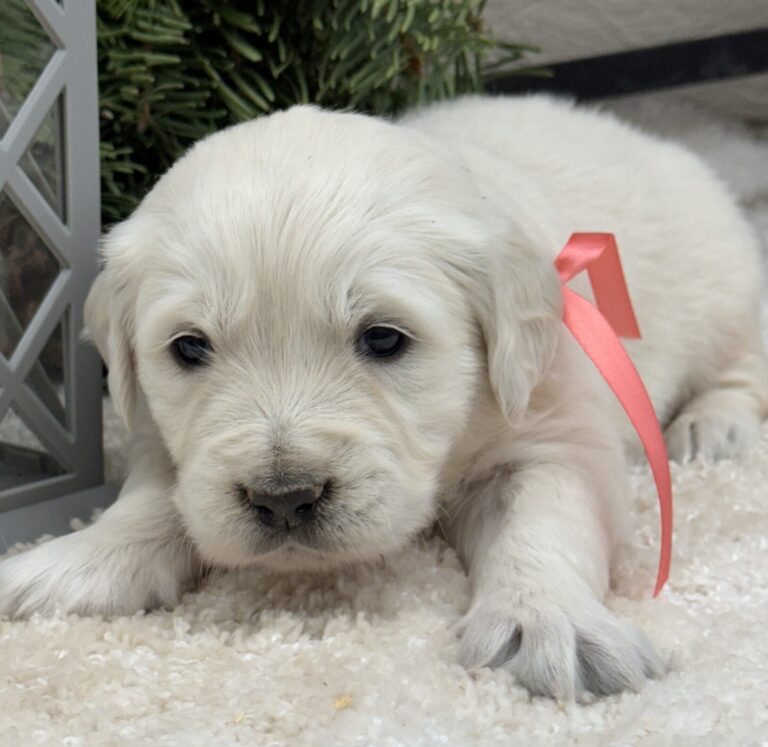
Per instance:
x=596, y=330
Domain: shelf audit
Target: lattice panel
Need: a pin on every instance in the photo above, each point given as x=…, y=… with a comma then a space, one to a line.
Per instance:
x=50, y=382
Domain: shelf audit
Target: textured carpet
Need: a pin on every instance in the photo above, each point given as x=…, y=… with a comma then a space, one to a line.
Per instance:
x=368, y=656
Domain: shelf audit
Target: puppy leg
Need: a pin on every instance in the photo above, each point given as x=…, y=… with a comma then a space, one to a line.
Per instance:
x=723, y=421
x=135, y=556
x=537, y=543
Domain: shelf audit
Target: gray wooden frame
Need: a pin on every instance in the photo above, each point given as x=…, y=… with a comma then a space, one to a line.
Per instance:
x=70, y=74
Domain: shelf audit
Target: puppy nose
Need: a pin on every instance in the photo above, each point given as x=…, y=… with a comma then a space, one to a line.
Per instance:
x=287, y=509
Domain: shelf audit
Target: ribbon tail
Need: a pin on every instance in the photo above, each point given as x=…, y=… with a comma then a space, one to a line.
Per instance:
x=601, y=344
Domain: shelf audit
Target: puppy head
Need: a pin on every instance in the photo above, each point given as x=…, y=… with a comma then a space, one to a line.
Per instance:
x=311, y=305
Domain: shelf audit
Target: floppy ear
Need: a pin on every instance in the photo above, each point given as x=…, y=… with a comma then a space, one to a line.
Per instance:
x=520, y=319
x=108, y=324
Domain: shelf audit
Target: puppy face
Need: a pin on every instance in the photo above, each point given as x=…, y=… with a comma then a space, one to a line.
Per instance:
x=304, y=303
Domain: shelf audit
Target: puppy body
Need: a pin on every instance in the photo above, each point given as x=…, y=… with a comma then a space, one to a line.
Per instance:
x=281, y=239
x=691, y=260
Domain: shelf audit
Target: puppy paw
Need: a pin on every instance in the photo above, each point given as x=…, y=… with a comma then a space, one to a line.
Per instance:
x=74, y=573
x=554, y=652
x=711, y=436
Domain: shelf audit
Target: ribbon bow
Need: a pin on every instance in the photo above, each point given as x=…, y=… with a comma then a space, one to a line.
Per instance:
x=597, y=331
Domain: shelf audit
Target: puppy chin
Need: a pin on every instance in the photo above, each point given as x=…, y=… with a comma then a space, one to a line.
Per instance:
x=238, y=544
x=293, y=557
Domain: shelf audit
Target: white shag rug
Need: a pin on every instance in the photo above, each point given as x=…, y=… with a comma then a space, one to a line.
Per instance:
x=368, y=656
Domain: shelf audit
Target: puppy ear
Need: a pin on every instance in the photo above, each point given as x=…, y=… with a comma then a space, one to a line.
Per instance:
x=108, y=324
x=520, y=319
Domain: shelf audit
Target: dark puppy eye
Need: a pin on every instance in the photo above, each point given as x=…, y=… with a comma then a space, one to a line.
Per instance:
x=381, y=342
x=190, y=350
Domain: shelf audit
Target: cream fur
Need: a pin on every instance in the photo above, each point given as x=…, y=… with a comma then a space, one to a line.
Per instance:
x=279, y=238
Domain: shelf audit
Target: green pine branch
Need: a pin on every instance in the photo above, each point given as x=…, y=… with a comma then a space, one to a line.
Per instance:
x=172, y=71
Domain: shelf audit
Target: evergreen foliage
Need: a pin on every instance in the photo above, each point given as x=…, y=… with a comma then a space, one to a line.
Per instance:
x=172, y=71
x=24, y=51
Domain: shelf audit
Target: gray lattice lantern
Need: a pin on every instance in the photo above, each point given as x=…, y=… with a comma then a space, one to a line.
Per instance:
x=50, y=382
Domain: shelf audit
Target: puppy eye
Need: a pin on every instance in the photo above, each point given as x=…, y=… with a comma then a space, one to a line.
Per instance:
x=190, y=350
x=381, y=342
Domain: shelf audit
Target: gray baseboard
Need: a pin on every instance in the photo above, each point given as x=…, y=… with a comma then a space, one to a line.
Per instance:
x=27, y=523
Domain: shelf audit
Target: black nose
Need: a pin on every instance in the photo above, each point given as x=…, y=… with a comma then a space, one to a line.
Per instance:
x=289, y=509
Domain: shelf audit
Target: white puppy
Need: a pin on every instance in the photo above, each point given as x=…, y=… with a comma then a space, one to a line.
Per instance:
x=328, y=330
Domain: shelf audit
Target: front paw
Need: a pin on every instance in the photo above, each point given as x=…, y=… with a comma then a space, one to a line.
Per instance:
x=82, y=574
x=556, y=650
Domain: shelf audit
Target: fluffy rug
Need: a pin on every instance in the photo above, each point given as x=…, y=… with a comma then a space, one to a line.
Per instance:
x=368, y=656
